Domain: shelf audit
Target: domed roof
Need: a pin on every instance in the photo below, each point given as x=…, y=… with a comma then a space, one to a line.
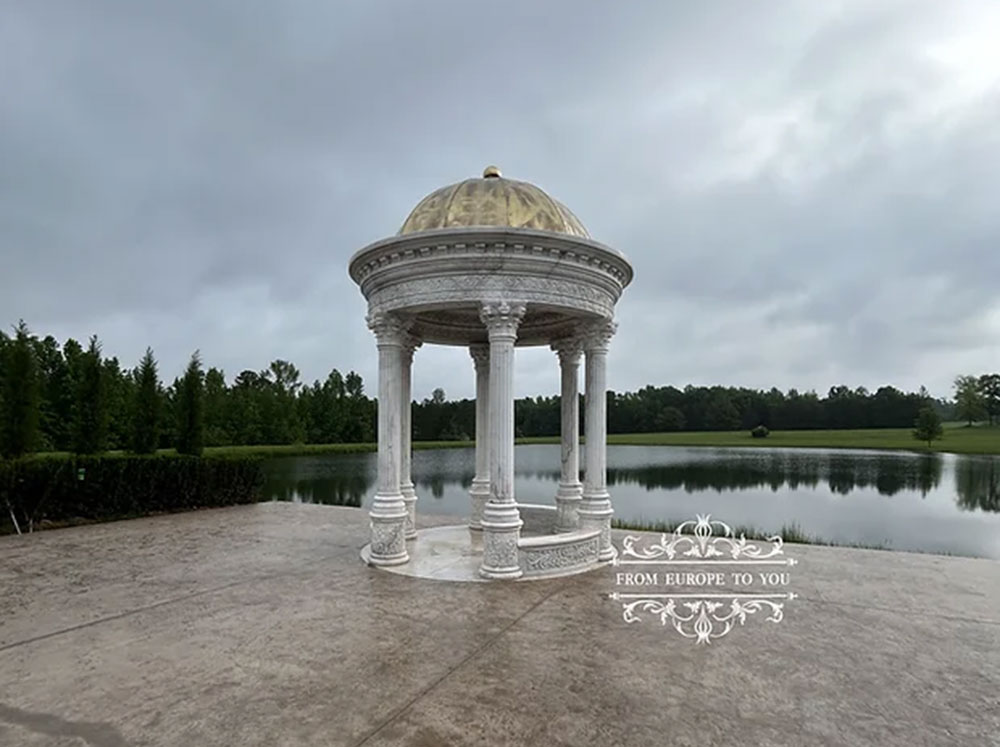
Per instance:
x=492, y=201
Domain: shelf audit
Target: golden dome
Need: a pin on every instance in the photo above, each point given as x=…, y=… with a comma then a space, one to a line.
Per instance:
x=492, y=201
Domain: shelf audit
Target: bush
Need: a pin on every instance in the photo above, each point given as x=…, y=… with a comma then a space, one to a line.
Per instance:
x=74, y=489
x=760, y=431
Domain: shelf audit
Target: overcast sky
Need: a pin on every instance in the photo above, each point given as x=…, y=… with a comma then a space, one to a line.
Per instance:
x=808, y=191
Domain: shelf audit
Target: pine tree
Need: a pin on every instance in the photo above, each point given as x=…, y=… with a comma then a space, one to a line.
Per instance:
x=145, y=433
x=19, y=414
x=190, y=393
x=90, y=411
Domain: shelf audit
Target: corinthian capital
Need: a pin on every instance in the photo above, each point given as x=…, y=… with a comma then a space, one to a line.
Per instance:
x=568, y=349
x=410, y=343
x=389, y=329
x=480, y=355
x=502, y=318
x=597, y=335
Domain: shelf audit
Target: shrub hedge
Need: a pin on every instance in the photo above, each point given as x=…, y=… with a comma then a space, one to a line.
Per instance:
x=57, y=490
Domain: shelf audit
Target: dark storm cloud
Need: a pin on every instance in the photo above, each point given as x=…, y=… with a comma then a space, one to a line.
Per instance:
x=805, y=189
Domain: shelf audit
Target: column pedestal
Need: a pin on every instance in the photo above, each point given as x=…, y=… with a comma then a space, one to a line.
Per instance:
x=501, y=522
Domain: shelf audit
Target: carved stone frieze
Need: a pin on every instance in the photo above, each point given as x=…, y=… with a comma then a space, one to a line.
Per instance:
x=566, y=556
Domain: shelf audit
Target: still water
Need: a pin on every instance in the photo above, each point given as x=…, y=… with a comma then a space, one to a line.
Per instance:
x=940, y=503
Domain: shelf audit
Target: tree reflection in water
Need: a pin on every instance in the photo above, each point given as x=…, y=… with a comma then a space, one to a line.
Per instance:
x=842, y=473
x=977, y=482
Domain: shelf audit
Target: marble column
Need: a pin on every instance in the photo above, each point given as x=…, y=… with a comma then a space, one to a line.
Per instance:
x=570, y=489
x=406, y=486
x=595, y=507
x=388, y=512
x=480, y=491
x=501, y=522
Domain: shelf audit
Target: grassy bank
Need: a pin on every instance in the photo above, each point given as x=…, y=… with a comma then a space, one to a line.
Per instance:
x=957, y=440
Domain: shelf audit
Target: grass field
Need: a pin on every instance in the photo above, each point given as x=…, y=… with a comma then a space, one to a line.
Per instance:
x=957, y=439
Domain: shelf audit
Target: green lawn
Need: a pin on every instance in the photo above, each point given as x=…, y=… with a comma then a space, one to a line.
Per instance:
x=957, y=439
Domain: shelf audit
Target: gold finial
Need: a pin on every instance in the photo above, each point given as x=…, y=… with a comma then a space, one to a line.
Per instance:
x=491, y=172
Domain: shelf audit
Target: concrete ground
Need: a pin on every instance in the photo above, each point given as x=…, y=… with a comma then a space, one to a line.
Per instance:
x=258, y=625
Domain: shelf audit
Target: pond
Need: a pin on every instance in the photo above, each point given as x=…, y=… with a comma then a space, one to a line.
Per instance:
x=940, y=503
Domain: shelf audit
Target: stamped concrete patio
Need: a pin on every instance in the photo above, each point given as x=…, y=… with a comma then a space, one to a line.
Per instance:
x=259, y=625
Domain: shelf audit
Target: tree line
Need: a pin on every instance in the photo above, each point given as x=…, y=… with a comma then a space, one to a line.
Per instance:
x=74, y=398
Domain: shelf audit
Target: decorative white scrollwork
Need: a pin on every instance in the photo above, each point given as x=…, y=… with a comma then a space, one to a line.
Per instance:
x=698, y=618
x=704, y=608
x=702, y=542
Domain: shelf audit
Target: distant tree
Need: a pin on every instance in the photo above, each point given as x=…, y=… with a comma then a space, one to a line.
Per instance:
x=437, y=396
x=146, y=407
x=285, y=421
x=189, y=409
x=90, y=413
x=19, y=396
x=927, y=426
x=118, y=394
x=989, y=388
x=670, y=419
x=721, y=414
x=216, y=401
x=56, y=395
x=969, y=403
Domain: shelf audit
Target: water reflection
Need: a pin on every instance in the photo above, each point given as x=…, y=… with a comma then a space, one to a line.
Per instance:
x=939, y=503
x=887, y=474
x=977, y=482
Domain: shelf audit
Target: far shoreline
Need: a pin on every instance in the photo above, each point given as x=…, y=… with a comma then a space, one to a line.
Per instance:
x=958, y=439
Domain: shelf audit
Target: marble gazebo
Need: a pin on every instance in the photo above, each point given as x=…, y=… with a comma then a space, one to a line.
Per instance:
x=491, y=263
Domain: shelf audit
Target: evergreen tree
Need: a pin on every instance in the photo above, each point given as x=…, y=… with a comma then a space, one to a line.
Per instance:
x=146, y=407
x=19, y=411
x=216, y=416
x=90, y=412
x=189, y=409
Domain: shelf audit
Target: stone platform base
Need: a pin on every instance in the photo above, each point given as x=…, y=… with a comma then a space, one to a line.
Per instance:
x=454, y=553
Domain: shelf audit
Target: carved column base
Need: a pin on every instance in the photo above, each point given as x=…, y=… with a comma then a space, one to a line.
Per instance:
x=478, y=494
x=501, y=525
x=410, y=501
x=567, y=502
x=388, y=530
x=595, y=512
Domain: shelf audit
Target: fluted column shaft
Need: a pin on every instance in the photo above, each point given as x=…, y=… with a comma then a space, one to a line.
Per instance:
x=480, y=491
x=595, y=507
x=501, y=522
x=406, y=486
x=388, y=512
x=570, y=489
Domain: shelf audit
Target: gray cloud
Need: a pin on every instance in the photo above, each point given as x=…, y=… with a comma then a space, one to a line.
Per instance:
x=806, y=190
